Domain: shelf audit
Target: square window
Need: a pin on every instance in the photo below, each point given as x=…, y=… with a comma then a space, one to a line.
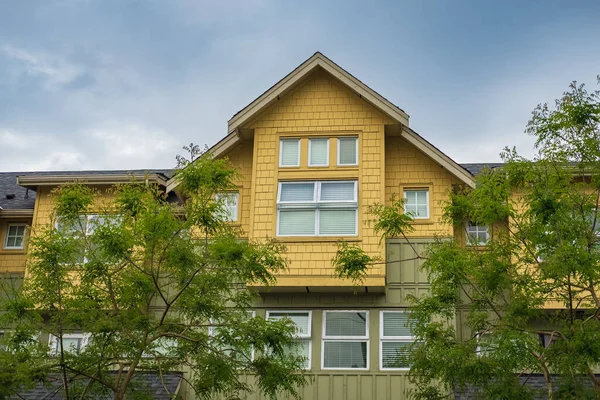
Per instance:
x=289, y=153
x=302, y=320
x=477, y=235
x=347, y=151
x=15, y=236
x=345, y=340
x=416, y=203
x=318, y=152
x=230, y=205
x=396, y=337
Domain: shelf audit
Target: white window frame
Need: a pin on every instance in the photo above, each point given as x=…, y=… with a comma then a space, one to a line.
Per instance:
x=303, y=336
x=281, y=140
x=478, y=230
x=426, y=190
x=395, y=339
x=6, y=236
x=211, y=332
x=310, y=152
x=339, y=153
x=325, y=338
x=314, y=205
x=53, y=341
x=236, y=210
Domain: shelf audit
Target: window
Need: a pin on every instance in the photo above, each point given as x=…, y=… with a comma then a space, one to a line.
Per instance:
x=73, y=342
x=230, y=205
x=317, y=208
x=347, y=152
x=396, y=337
x=289, y=152
x=84, y=226
x=15, y=236
x=477, y=235
x=318, y=152
x=302, y=320
x=215, y=331
x=345, y=340
x=547, y=339
x=416, y=203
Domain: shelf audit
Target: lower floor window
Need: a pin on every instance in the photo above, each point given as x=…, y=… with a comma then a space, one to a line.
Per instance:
x=302, y=344
x=396, y=338
x=345, y=340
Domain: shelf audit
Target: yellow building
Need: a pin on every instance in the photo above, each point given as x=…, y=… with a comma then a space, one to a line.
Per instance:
x=314, y=151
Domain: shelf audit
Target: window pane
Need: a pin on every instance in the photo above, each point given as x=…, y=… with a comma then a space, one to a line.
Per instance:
x=319, y=152
x=345, y=354
x=296, y=222
x=337, y=222
x=300, y=319
x=396, y=324
x=230, y=205
x=289, y=152
x=345, y=324
x=10, y=241
x=337, y=191
x=395, y=354
x=18, y=241
x=297, y=192
x=416, y=203
x=300, y=348
x=347, y=149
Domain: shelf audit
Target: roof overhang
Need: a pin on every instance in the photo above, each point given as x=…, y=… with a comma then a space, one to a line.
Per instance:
x=33, y=181
x=16, y=213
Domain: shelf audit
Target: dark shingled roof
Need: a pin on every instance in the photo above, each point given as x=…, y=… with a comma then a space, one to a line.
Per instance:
x=475, y=169
x=536, y=382
x=150, y=383
x=24, y=199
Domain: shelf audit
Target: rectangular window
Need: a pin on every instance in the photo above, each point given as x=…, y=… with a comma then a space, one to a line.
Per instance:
x=396, y=337
x=72, y=342
x=416, y=203
x=289, y=153
x=477, y=235
x=347, y=151
x=318, y=152
x=230, y=205
x=345, y=340
x=317, y=208
x=302, y=320
x=15, y=236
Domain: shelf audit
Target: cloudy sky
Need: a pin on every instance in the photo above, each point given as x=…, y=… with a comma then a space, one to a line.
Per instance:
x=114, y=84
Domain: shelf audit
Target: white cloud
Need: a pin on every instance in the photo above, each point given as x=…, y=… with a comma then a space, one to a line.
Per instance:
x=55, y=70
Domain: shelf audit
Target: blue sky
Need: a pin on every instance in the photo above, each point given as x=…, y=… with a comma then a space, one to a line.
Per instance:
x=113, y=84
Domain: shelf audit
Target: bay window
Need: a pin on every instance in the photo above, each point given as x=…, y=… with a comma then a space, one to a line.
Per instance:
x=345, y=340
x=322, y=208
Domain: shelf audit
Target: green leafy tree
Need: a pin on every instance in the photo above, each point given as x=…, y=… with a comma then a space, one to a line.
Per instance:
x=158, y=285
x=528, y=301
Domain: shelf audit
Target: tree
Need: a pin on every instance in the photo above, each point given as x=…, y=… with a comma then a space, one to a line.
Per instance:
x=529, y=300
x=158, y=285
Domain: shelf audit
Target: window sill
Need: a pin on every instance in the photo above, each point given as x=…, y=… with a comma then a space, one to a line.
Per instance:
x=12, y=251
x=307, y=239
x=423, y=221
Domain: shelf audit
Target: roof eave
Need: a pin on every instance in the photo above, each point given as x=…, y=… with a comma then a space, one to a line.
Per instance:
x=32, y=181
x=16, y=213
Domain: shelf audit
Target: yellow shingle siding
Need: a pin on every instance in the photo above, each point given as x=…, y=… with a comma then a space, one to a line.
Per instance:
x=241, y=157
x=407, y=167
x=321, y=106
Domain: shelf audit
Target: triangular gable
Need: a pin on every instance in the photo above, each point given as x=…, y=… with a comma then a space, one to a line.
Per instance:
x=291, y=80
